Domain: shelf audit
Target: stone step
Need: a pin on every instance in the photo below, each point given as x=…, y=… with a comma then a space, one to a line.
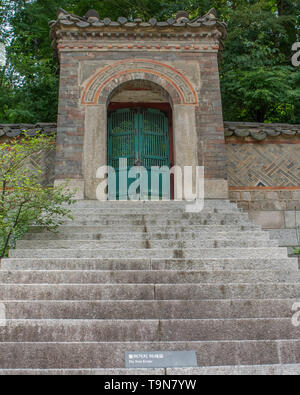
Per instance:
x=81, y=372
x=234, y=264
x=65, y=229
x=208, y=203
x=142, y=244
x=149, y=309
x=148, y=211
x=148, y=291
x=170, y=214
x=146, y=277
x=160, y=220
x=201, y=235
x=112, y=354
x=254, y=370
x=271, y=252
x=147, y=330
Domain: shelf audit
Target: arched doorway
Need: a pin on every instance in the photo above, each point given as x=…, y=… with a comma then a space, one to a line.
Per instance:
x=136, y=90
x=140, y=143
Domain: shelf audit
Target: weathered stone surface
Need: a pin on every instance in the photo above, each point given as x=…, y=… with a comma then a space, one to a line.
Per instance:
x=268, y=219
x=231, y=304
x=175, y=309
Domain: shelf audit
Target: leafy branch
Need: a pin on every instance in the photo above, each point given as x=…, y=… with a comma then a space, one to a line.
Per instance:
x=24, y=202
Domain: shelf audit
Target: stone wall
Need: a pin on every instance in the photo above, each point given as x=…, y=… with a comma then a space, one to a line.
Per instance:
x=263, y=167
x=47, y=159
x=275, y=209
x=265, y=155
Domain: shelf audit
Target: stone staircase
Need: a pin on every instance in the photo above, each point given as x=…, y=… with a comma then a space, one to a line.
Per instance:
x=134, y=276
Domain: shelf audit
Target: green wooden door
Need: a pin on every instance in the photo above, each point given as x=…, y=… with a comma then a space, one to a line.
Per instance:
x=138, y=139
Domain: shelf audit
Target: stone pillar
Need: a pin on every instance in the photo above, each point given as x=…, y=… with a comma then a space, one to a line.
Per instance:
x=95, y=146
x=210, y=129
x=70, y=127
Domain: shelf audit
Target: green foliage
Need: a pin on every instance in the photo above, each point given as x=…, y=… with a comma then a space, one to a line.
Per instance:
x=255, y=68
x=261, y=94
x=23, y=200
x=257, y=80
x=296, y=250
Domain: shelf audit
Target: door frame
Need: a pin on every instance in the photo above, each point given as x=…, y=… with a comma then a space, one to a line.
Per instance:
x=166, y=108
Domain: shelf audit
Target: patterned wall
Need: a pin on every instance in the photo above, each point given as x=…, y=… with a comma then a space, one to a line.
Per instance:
x=263, y=164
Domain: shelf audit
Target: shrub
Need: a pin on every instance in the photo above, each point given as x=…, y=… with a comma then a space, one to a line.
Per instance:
x=24, y=201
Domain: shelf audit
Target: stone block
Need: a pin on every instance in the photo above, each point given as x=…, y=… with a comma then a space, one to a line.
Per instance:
x=292, y=219
x=234, y=195
x=216, y=189
x=246, y=196
x=296, y=195
x=286, y=195
x=256, y=205
x=286, y=237
x=273, y=205
x=272, y=195
x=268, y=219
x=243, y=205
x=77, y=186
x=293, y=205
x=257, y=195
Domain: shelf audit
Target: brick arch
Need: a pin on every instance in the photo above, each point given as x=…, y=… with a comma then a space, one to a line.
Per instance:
x=101, y=86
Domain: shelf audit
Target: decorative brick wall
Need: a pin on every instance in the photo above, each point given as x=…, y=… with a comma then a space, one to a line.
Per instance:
x=262, y=160
x=46, y=160
x=263, y=166
x=266, y=155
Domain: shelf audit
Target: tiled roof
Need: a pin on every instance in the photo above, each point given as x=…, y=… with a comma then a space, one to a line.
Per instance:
x=257, y=131
x=14, y=130
x=92, y=24
x=260, y=131
x=93, y=20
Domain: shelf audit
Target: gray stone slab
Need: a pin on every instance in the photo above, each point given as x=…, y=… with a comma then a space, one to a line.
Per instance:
x=271, y=252
x=146, y=276
x=232, y=291
x=292, y=219
x=148, y=291
x=76, y=264
x=232, y=264
x=138, y=280
x=148, y=211
x=150, y=309
x=200, y=235
x=286, y=237
x=150, y=229
x=147, y=331
x=212, y=203
x=268, y=219
x=111, y=355
x=82, y=372
x=142, y=244
x=77, y=292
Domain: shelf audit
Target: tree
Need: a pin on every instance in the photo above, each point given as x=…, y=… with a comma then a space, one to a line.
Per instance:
x=261, y=34
x=255, y=69
x=23, y=200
